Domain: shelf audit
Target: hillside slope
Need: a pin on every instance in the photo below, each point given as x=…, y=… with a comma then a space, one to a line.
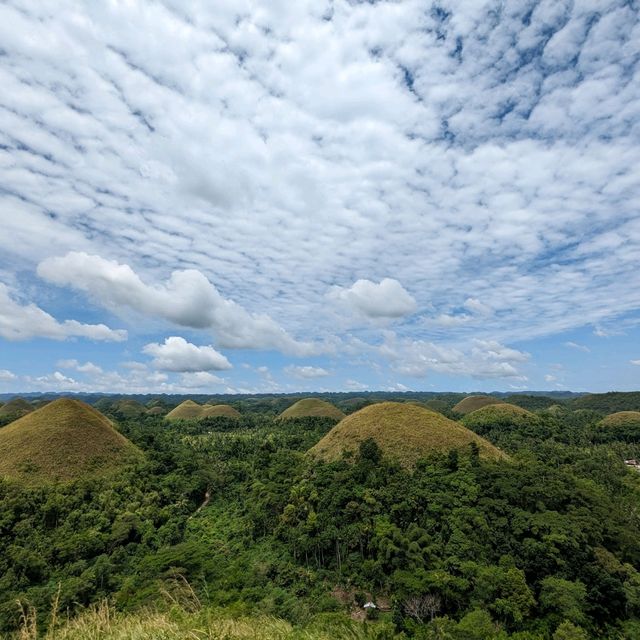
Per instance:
x=312, y=407
x=64, y=440
x=404, y=432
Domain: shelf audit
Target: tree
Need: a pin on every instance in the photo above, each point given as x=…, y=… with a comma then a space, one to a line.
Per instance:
x=419, y=607
x=563, y=599
x=569, y=631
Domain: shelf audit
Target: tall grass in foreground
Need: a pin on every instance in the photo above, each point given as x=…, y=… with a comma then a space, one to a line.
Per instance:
x=103, y=622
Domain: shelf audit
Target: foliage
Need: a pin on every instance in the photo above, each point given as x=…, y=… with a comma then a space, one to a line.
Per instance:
x=227, y=527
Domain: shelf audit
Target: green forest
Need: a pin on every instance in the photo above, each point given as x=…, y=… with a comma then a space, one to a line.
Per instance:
x=228, y=527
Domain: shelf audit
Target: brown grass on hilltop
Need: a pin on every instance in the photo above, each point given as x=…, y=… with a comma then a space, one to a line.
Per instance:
x=64, y=440
x=312, y=407
x=404, y=432
x=187, y=410
x=223, y=410
x=622, y=419
x=472, y=403
x=499, y=414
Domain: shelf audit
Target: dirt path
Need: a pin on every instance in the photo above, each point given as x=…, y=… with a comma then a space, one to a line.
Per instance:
x=205, y=502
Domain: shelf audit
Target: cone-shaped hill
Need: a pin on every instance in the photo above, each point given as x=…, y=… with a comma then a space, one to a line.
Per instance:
x=311, y=408
x=187, y=410
x=404, y=432
x=65, y=440
x=622, y=419
x=498, y=415
x=219, y=410
x=156, y=411
x=17, y=407
x=472, y=403
x=129, y=408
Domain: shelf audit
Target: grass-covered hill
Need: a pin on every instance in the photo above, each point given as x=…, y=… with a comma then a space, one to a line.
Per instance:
x=190, y=410
x=129, y=408
x=15, y=408
x=187, y=410
x=498, y=415
x=312, y=408
x=622, y=419
x=404, y=432
x=67, y=439
x=220, y=410
x=472, y=403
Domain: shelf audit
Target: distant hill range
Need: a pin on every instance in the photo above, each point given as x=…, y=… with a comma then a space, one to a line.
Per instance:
x=275, y=404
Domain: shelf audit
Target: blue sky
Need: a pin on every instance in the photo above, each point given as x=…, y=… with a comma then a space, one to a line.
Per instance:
x=275, y=197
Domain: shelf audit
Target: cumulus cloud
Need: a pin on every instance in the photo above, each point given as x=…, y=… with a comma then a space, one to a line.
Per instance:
x=6, y=375
x=385, y=299
x=24, y=321
x=306, y=371
x=176, y=354
x=187, y=299
x=636, y=362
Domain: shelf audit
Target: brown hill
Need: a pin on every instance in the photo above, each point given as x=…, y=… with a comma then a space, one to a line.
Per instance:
x=187, y=410
x=312, y=407
x=64, y=440
x=472, y=403
x=404, y=432
x=622, y=419
x=498, y=415
x=222, y=410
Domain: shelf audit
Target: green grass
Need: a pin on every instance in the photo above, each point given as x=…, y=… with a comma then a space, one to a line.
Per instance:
x=312, y=407
x=472, y=403
x=404, y=432
x=499, y=415
x=64, y=440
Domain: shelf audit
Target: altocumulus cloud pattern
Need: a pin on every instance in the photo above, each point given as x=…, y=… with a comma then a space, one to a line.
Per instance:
x=414, y=187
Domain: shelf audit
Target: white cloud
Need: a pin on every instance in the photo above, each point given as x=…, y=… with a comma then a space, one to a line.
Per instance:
x=6, y=375
x=550, y=378
x=200, y=380
x=87, y=367
x=386, y=299
x=176, y=354
x=24, y=321
x=485, y=358
x=306, y=371
x=636, y=362
x=577, y=347
x=355, y=385
x=477, y=306
x=187, y=299
x=485, y=159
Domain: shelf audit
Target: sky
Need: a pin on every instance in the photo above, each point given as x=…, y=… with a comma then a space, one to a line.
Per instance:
x=257, y=197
